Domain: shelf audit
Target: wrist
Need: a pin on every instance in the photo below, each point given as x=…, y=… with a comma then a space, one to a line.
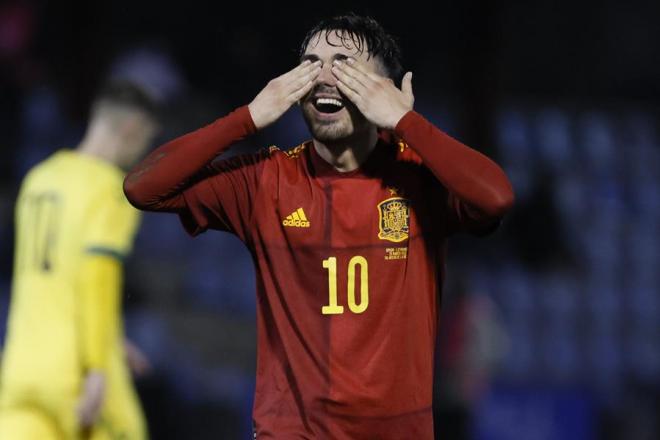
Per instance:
x=253, y=115
x=396, y=120
x=257, y=116
x=407, y=121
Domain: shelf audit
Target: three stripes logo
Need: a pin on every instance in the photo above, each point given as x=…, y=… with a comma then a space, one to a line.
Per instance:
x=296, y=219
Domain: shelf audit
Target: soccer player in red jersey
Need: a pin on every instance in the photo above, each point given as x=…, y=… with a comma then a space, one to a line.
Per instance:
x=347, y=232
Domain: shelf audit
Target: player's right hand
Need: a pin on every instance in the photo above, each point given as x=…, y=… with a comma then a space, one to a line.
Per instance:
x=282, y=92
x=91, y=400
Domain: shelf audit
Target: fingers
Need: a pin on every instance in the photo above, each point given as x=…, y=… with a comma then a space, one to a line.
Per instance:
x=349, y=93
x=297, y=94
x=357, y=71
x=297, y=76
x=406, y=84
x=340, y=72
x=302, y=77
x=346, y=81
x=313, y=72
x=350, y=75
x=302, y=85
x=310, y=67
x=301, y=70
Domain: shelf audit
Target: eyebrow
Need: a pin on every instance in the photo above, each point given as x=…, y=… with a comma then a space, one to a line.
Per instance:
x=311, y=57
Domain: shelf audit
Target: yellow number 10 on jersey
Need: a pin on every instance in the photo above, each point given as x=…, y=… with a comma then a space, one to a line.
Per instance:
x=333, y=308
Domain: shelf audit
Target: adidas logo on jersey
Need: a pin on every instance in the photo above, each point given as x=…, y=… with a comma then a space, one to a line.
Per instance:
x=297, y=219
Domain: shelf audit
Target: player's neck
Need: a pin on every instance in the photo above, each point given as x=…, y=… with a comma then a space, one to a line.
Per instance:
x=348, y=154
x=100, y=143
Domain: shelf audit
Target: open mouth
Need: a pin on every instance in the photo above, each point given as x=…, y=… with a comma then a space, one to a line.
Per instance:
x=328, y=105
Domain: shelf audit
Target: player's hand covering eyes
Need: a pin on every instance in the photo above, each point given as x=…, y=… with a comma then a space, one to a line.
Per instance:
x=377, y=98
x=282, y=92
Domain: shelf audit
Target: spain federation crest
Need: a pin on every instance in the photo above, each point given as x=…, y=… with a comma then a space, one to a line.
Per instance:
x=394, y=215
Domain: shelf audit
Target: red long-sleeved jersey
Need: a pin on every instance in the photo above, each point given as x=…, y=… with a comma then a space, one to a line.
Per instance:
x=349, y=265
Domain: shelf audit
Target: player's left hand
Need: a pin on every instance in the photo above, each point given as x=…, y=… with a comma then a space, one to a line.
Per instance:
x=137, y=361
x=377, y=98
x=91, y=400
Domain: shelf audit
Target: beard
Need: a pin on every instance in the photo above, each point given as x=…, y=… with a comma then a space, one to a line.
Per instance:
x=328, y=132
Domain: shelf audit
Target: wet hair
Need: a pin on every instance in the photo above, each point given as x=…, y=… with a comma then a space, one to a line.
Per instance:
x=125, y=94
x=362, y=33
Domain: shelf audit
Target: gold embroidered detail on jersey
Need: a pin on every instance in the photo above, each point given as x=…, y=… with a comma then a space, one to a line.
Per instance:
x=402, y=145
x=394, y=191
x=397, y=253
x=296, y=151
x=296, y=219
x=272, y=149
x=393, y=216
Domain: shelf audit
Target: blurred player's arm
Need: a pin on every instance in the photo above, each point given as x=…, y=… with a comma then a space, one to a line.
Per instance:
x=100, y=284
x=156, y=183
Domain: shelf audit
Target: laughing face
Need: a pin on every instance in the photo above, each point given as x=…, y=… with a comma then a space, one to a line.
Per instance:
x=330, y=116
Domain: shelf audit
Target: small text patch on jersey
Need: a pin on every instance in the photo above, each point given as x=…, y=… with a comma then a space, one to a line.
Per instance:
x=393, y=214
x=296, y=219
x=396, y=253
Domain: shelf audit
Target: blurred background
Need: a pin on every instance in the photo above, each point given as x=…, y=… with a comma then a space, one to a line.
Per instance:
x=550, y=327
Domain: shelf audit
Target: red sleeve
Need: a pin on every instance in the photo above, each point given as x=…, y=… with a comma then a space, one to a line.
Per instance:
x=479, y=191
x=224, y=199
x=157, y=183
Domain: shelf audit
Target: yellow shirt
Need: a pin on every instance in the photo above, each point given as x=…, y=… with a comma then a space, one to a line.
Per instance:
x=70, y=210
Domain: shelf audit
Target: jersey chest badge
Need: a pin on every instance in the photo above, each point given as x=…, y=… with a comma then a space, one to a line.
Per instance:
x=394, y=219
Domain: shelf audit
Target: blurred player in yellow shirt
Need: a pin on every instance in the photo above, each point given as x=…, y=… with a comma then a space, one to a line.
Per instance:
x=64, y=373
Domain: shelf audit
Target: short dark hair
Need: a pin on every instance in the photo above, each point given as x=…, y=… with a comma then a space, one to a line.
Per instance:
x=126, y=94
x=362, y=30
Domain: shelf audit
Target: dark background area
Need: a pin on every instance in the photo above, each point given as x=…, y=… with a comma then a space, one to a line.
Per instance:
x=550, y=325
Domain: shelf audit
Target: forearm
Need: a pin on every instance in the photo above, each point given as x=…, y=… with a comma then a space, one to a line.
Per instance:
x=100, y=285
x=471, y=176
x=156, y=183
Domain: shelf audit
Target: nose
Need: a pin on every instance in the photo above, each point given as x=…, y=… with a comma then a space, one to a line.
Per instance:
x=326, y=77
